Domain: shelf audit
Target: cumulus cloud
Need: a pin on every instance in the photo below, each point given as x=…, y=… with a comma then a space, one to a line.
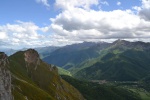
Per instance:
x=144, y=10
x=79, y=24
x=23, y=34
x=44, y=2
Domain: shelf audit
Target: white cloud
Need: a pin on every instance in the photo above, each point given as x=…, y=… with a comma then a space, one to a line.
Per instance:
x=98, y=24
x=70, y=4
x=3, y=35
x=118, y=3
x=77, y=22
x=144, y=10
x=146, y=4
x=23, y=34
x=44, y=2
x=80, y=24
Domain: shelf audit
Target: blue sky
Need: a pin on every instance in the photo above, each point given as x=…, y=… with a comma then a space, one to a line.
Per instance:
x=30, y=10
x=26, y=10
x=34, y=23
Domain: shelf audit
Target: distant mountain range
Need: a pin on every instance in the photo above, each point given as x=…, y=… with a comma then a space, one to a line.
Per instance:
x=74, y=55
x=8, y=51
x=43, y=51
x=120, y=61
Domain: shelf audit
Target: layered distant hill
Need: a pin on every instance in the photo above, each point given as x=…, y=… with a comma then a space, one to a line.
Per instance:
x=45, y=51
x=8, y=51
x=121, y=60
x=72, y=56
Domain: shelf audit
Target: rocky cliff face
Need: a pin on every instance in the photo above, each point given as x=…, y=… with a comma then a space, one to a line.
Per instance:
x=32, y=57
x=5, y=78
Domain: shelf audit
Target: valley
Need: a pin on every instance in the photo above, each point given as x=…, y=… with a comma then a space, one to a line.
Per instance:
x=120, y=64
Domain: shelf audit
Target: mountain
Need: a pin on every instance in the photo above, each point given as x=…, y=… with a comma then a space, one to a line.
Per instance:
x=72, y=56
x=33, y=79
x=130, y=65
x=120, y=61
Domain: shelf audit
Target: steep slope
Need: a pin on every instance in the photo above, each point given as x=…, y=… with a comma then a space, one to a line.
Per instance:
x=130, y=65
x=33, y=79
x=5, y=78
x=72, y=56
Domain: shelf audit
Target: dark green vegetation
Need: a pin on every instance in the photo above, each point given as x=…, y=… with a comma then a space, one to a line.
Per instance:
x=117, y=61
x=130, y=65
x=94, y=91
x=33, y=79
x=71, y=57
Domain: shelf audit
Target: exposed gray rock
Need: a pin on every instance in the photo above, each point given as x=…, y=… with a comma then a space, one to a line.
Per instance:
x=32, y=57
x=5, y=78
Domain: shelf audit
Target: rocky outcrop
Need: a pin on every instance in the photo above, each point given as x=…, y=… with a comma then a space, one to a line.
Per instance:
x=5, y=78
x=32, y=57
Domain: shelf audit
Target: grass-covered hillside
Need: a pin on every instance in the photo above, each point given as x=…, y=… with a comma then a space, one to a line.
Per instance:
x=130, y=65
x=33, y=79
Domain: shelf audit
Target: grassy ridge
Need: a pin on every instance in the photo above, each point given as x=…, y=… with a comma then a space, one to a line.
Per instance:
x=40, y=81
x=130, y=65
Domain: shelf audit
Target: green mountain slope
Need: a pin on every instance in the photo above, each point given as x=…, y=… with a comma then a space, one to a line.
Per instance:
x=129, y=65
x=33, y=79
x=72, y=56
x=78, y=56
x=62, y=71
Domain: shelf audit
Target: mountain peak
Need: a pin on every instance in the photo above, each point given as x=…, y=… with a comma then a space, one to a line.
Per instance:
x=31, y=56
x=37, y=79
x=119, y=41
